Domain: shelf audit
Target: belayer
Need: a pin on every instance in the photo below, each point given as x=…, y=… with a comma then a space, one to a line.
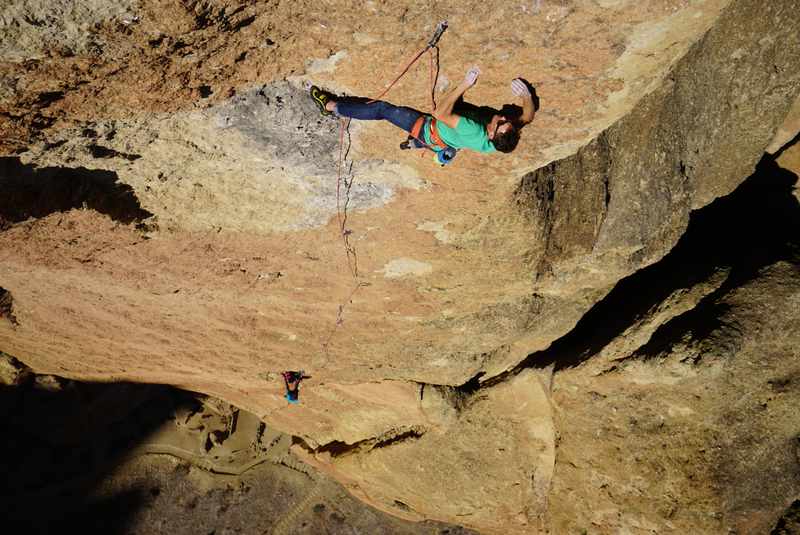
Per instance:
x=446, y=130
x=292, y=380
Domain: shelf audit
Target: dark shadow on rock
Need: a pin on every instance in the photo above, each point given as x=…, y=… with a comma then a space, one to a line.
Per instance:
x=509, y=111
x=787, y=146
x=7, y=306
x=28, y=192
x=754, y=227
x=789, y=524
x=53, y=484
x=58, y=438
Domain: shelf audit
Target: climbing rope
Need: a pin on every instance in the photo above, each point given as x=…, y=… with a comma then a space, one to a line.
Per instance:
x=431, y=44
x=343, y=233
x=339, y=320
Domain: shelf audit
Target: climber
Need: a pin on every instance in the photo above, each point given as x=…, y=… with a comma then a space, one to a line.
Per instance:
x=447, y=129
x=292, y=380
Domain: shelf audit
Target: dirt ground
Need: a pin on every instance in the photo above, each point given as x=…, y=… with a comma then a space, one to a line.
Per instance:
x=174, y=462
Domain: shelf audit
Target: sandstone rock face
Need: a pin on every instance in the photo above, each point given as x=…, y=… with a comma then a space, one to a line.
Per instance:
x=690, y=418
x=174, y=462
x=486, y=457
x=484, y=343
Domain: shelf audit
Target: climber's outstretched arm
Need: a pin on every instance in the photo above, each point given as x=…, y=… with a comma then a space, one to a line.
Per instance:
x=521, y=89
x=444, y=111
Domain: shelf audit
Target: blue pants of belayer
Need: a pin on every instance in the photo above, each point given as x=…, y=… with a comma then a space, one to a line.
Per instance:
x=403, y=118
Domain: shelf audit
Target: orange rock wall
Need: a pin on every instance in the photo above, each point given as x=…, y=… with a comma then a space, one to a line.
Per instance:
x=172, y=215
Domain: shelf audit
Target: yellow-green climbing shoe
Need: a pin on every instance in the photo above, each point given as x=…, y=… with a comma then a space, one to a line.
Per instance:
x=320, y=98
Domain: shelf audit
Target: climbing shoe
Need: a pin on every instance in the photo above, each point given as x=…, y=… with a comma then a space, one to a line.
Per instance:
x=320, y=98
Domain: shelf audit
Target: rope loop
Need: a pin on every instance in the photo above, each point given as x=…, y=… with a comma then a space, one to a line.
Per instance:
x=339, y=320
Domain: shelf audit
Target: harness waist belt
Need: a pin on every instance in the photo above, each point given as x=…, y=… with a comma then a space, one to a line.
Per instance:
x=434, y=134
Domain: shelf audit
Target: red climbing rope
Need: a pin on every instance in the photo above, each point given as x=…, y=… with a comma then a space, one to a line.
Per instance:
x=428, y=50
x=358, y=282
x=339, y=319
x=431, y=44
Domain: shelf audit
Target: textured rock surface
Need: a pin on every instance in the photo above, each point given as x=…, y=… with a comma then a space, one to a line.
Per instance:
x=170, y=216
x=156, y=459
x=689, y=379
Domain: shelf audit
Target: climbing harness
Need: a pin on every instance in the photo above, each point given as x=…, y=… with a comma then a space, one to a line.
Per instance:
x=444, y=155
x=433, y=134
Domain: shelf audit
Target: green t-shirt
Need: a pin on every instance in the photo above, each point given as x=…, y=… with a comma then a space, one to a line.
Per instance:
x=470, y=132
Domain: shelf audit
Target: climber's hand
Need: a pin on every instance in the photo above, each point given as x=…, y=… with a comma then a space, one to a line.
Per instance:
x=520, y=88
x=471, y=77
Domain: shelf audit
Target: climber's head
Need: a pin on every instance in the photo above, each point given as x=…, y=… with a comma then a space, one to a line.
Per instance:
x=503, y=134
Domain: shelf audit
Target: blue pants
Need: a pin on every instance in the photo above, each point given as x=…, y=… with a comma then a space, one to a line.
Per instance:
x=403, y=118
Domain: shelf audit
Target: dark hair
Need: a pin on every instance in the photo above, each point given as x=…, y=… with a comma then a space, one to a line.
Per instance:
x=507, y=141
